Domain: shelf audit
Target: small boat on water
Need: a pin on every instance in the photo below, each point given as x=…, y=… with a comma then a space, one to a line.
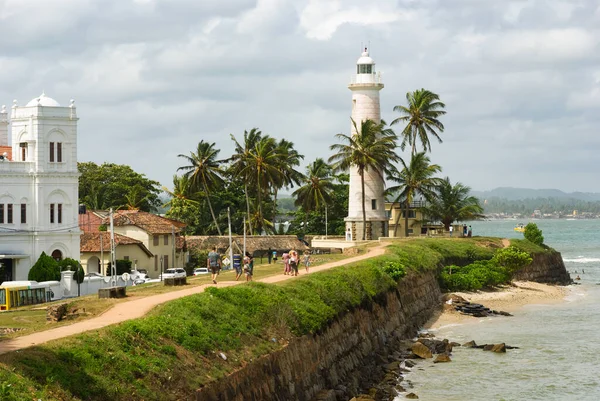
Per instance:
x=520, y=228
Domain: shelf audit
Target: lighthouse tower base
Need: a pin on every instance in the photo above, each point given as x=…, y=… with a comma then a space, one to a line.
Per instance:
x=376, y=228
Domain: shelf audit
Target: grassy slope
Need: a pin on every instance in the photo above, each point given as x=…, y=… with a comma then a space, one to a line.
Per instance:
x=168, y=354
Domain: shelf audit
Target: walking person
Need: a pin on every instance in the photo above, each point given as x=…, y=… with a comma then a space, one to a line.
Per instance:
x=470, y=232
x=213, y=262
x=451, y=229
x=249, y=266
x=274, y=257
x=306, y=260
x=464, y=230
x=294, y=262
x=285, y=258
x=238, y=266
x=269, y=255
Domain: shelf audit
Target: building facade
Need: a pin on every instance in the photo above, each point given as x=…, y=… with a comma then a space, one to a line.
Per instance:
x=38, y=185
x=365, y=87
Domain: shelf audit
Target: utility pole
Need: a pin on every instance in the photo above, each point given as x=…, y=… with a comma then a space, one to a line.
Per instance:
x=113, y=257
x=102, y=271
x=326, y=221
x=173, y=244
x=230, y=241
x=244, y=238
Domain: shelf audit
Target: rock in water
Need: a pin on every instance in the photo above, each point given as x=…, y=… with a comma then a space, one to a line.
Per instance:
x=470, y=344
x=421, y=350
x=412, y=396
x=442, y=358
x=499, y=348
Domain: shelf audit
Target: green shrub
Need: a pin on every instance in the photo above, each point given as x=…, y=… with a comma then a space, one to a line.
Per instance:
x=395, y=270
x=45, y=269
x=534, y=234
x=511, y=259
x=68, y=264
x=123, y=266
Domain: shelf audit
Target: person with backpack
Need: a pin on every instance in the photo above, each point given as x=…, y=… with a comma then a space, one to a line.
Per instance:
x=213, y=262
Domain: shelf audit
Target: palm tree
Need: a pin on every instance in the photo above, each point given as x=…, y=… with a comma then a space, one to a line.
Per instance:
x=241, y=160
x=453, y=203
x=262, y=169
x=421, y=118
x=414, y=178
x=182, y=198
x=135, y=198
x=318, y=187
x=204, y=170
x=288, y=175
x=372, y=147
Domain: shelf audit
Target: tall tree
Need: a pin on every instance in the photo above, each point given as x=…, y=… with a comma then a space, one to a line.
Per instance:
x=183, y=204
x=421, y=117
x=241, y=160
x=204, y=172
x=109, y=185
x=317, y=188
x=288, y=176
x=262, y=169
x=414, y=178
x=453, y=203
x=371, y=148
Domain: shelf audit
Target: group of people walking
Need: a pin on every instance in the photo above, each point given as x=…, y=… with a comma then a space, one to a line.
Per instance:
x=291, y=260
x=214, y=264
x=466, y=231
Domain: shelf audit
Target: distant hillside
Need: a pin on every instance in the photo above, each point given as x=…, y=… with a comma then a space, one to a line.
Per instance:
x=527, y=193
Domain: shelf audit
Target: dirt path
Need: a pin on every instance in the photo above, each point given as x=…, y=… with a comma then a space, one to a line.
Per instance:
x=505, y=242
x=139, y=307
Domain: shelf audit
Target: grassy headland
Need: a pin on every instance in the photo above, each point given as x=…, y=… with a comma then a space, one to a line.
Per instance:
x=177, y=348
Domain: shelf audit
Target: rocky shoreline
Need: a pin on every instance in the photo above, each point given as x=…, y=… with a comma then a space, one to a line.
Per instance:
x=400, y=362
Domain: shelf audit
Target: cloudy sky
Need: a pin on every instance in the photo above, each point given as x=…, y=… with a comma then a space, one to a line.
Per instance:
x=151, y=78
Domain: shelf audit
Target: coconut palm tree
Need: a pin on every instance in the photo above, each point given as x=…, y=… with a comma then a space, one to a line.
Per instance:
x=262, y=169
x=421, y=117
x=204, y=172
x=453, y=203
x=415, y=178
x=317, y=188
x=371, y=148
x=183, y=200
x=240, y=161
x=288, y=176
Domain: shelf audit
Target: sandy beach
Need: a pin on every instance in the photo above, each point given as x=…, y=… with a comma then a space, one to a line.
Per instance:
x=508, y=299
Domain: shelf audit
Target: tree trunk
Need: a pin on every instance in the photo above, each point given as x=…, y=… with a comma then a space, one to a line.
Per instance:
x=362, y=185
x=249, y=220
x=397, y=219
x=274, y=208
x=406, y=218
x=260, y=215
x=210, y=207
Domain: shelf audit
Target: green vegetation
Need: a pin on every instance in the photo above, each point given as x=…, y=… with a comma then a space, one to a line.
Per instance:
x=533, y=234
x=116, y=186
x=175, y=349
x=484, y=273
x=45, y=269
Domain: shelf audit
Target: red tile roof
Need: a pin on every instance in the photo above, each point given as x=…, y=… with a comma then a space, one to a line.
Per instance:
x=8, y=150
x=90, y=242
x=151, y=223
x=91, y=221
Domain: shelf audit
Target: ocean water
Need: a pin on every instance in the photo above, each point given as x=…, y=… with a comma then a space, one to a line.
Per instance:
x=559, y=354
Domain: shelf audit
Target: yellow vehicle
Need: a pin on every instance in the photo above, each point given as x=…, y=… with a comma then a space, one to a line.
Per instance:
x=520, y=228
x=20, y=293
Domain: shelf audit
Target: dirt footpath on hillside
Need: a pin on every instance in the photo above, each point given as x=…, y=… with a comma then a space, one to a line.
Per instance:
x=139, y=307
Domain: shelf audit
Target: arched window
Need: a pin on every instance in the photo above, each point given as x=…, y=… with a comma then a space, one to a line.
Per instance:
x=57, y=255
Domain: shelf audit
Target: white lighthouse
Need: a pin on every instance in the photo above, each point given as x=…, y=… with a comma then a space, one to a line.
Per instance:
x=365, y=86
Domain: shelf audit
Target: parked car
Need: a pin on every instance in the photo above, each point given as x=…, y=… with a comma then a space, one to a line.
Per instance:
x=200, y=270
x=173, y=273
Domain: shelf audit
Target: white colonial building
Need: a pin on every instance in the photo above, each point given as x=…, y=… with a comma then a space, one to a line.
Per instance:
x=365, y=87
x=38, y=185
